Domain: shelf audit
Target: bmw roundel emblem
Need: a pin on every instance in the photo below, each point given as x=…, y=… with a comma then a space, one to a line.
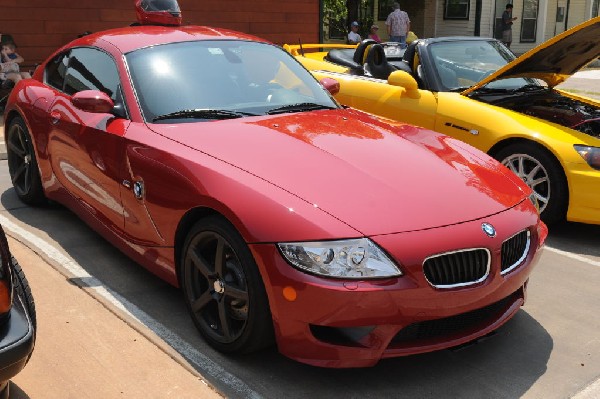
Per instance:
x=488, y=229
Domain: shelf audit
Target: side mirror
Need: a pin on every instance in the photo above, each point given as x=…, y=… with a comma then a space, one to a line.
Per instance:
x=331, y=85
x=94, y=101
x=404, y=79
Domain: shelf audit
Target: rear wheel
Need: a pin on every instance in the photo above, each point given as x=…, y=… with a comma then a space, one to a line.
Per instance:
x=223, y=288
x=22, y=164
x=543, y=174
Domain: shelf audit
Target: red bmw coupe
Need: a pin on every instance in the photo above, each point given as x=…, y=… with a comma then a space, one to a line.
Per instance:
x=215, y=160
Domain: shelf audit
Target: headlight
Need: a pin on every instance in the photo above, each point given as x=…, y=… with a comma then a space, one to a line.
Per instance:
x=352, y=259
x=590, y=154
x=534, y=201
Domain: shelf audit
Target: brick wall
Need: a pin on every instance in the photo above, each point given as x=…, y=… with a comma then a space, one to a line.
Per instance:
x=41, y=26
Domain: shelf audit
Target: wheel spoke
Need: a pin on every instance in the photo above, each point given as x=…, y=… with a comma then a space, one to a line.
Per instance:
x=533, y=172
x=27, y=178
x=220, y=256
x=541, y=199
x=236, y=293
x=202, y=301
x=224, y=319
x=20, y=152
x=535, y=182
x=201, y=264
x=521, y=167
x=20, y=170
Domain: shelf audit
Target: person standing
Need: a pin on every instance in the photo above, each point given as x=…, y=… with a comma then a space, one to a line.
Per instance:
x=353, y=36
x=507, y=21
x=398, y=25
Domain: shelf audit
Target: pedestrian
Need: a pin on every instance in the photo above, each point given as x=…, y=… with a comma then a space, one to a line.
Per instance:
x=507, y=21
x=398, y=25
x=9, y=57
x=353, y=36
x=373, y=34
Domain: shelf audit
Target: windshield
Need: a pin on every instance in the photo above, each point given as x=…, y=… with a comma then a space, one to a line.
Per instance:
x=220, y=79
x=160, y=5
x=461, y=64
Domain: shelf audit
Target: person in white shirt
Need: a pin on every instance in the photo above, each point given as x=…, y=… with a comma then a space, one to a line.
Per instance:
x=353, y=36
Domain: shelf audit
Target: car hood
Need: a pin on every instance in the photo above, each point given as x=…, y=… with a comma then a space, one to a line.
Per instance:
x=554, y=60
x=375, y=177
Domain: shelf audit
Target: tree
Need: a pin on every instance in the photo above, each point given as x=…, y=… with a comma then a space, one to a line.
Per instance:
x=339, y=14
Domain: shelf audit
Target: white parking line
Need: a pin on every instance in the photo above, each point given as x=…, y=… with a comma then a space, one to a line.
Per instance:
x=592, y=391
x=573, y=256
x=201, y=362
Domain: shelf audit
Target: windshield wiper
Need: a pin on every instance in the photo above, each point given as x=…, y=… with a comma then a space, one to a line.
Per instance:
x=489, y=90
x=204, y=114
x=458, y=89
x=298, y=108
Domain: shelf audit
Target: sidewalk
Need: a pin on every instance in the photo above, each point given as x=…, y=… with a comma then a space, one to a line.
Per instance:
x=83, y=350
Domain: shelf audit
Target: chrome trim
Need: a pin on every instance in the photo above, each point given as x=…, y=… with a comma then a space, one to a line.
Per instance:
x=523, y=256
x=445, y=286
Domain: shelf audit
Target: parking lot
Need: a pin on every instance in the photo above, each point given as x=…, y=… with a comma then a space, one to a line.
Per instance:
x=550, y=349
x=108, y=328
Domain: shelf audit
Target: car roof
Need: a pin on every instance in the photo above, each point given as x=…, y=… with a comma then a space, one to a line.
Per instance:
x=134, y=37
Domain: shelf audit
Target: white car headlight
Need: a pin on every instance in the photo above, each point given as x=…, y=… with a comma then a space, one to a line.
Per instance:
x=357, y=258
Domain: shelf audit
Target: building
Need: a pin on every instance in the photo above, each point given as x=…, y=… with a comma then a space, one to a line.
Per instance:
x=537, y=20
x=41, y=26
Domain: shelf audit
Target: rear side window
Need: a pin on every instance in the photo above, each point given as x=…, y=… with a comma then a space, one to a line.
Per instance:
x=56, y=71
x=91, y=69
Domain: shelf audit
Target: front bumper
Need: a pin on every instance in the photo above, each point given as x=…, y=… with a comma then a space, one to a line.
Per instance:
x=584, y=193
x=354, y=323
x=17, y=339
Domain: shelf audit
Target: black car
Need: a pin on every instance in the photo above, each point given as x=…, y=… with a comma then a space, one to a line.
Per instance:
x=17, y=318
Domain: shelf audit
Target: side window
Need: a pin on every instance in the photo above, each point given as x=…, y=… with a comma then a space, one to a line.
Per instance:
x=56, y=70
x=91, y=69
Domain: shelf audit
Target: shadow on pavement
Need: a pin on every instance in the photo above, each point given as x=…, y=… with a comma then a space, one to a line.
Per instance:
x=504, y=366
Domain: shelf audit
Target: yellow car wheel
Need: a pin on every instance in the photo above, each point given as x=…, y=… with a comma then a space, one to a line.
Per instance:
x=543, y=174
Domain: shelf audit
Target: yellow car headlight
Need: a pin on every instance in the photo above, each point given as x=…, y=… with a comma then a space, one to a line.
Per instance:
x=590, y=154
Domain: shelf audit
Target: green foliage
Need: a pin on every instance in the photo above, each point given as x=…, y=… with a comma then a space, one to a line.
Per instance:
x=335, y=14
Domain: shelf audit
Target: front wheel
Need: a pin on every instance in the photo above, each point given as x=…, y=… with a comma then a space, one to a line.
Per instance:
x=543, y=174
x=223, y=288
x=22, y=164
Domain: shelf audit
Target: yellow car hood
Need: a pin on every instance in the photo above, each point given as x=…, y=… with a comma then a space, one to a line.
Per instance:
x=554, y=60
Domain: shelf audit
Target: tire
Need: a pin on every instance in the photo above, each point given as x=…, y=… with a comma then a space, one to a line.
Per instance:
x=226, y=299
x=22, y=164
x=23, y=291
x=543, y=174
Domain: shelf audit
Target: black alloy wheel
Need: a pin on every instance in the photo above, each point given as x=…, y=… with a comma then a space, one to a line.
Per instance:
x=223, y=288
x=22, y=164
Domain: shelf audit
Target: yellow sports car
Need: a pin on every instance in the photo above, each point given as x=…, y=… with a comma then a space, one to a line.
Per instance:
x=474, y=89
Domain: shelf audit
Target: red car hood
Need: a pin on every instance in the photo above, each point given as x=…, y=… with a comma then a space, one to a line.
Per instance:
x=376, y=178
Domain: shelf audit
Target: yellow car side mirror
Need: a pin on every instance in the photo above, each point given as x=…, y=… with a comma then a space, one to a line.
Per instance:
x=405, y=80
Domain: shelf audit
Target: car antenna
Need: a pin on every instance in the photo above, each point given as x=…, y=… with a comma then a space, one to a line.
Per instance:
x=301, y=49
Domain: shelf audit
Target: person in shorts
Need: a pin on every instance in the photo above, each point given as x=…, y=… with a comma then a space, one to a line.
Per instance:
x=507, y=22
